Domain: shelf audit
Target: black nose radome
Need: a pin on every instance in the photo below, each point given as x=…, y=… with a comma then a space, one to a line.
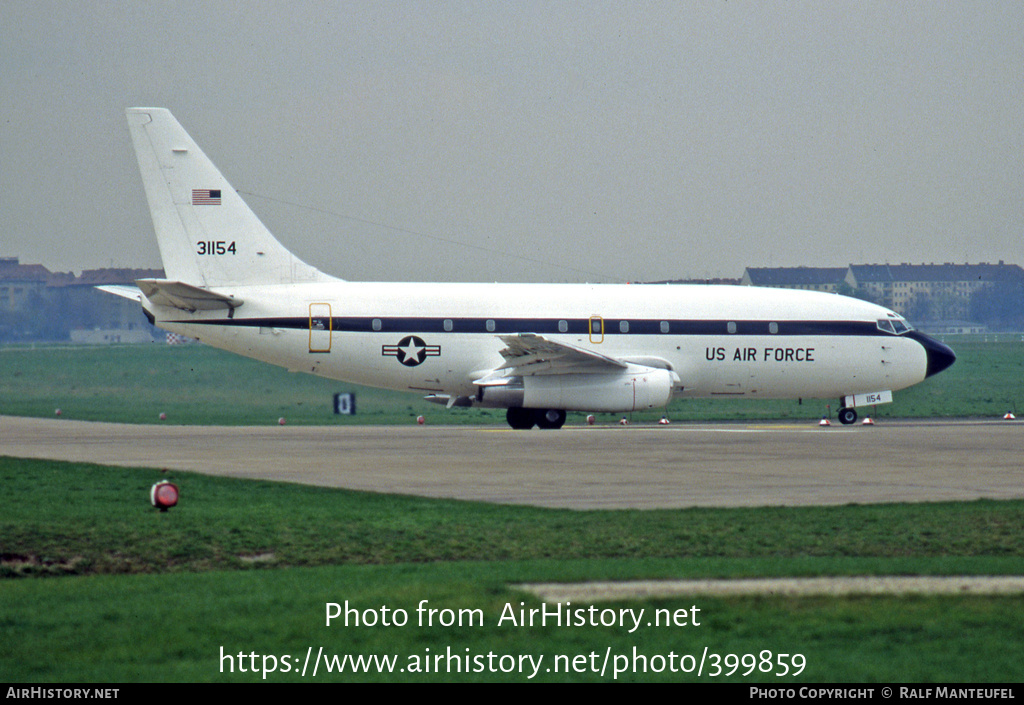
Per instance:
x=940, y=355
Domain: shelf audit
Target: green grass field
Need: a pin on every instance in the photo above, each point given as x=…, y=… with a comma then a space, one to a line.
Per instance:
x=100, y=587
x=200, y=385
x=97, y=586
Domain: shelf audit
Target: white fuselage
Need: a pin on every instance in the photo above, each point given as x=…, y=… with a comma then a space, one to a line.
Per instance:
x=440, y=338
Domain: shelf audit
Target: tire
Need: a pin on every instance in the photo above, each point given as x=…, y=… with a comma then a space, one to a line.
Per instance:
x=550, y=418
x=520, y=419
x=847, y=415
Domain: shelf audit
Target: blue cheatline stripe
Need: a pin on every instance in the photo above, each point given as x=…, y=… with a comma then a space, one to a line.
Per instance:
x=553, y=326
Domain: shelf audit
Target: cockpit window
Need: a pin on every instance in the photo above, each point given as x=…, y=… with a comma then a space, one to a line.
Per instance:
x=901, y=326
x=894, y=325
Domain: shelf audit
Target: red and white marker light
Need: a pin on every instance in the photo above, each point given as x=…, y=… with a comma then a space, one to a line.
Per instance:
x=163, y=495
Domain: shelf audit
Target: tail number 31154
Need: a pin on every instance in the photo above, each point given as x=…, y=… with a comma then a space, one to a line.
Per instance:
x=215, y=247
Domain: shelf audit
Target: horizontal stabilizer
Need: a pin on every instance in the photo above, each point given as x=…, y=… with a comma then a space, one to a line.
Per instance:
x=187, y=297
x=123, y=290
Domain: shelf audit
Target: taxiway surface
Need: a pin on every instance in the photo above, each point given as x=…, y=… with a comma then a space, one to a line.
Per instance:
x=640, y=466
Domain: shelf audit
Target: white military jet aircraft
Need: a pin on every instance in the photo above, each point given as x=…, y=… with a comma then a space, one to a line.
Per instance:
x=537, y=350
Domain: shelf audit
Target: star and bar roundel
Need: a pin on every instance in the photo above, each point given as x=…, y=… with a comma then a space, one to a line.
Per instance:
x=411, y=350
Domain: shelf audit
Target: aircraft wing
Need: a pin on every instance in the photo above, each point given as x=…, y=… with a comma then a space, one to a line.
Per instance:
x=532, y=354
x=187, y=297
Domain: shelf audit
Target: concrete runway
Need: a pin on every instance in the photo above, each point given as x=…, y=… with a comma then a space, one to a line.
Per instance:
x=640, y=466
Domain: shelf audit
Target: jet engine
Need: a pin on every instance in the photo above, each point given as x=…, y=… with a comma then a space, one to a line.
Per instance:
x=635, y=388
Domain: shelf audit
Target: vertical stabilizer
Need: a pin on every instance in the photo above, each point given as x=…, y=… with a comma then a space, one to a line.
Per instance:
x=207, y=235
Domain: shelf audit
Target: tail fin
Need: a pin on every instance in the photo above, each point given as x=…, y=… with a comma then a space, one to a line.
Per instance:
x=207, y=235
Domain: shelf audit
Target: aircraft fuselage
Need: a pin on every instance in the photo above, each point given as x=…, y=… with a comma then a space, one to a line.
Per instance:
x=439, y=338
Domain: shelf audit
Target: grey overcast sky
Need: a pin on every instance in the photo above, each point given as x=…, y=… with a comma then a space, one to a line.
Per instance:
x=529, y=141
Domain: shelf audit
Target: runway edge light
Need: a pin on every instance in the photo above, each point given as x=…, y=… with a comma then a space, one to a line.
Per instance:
x=163, y=495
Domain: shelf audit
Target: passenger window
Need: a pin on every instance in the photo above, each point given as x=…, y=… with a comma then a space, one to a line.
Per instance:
x=664, y=326
x=563, y=326
x=490, y=326
x=448, y=325
x=623, y=326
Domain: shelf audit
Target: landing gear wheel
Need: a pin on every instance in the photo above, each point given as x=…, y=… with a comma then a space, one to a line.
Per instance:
x=847, y=415
x=520, y=419
x=550, y=418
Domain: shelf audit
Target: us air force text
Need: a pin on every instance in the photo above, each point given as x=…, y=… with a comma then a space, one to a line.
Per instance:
x=765, y=355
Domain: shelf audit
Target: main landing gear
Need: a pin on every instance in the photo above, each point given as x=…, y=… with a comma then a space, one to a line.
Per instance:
x=847, y=415
x=522, y=419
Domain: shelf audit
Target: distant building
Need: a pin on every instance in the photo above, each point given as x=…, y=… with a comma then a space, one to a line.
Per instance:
x=964, y=296
x=828, y=279
x=102, y=317
x=21, y=284
x=930, y=291
x=37, y=304
x=705, y=282
x=954, y=328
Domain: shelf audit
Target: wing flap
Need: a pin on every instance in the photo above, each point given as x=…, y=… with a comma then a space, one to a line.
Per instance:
x=531, y=354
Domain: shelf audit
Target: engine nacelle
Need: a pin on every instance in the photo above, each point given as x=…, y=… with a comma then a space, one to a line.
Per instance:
x=635, y=388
